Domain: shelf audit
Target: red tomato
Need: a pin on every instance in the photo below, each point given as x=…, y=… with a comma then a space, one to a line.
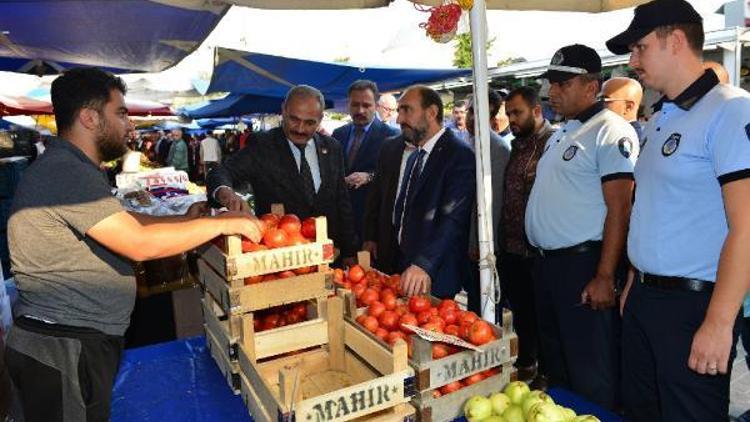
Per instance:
x=452, y=330
x=489, y=372
x=305, y=270
x=480, y=332
x=451, y=387
x=468, y=317
x=439, y=321
x=250, y=246
x=382, y=333
x=270, y=322
x=473, y=379
x=386, y=291
x=389, y=301
x=294, y=239
x=419, y=304
x=300, y=310
x=402, y=309
x=270, y=277
x=375, y=309
x=423, y=317
x=369, y=296
x=436, y=394
x=449, y=315
x=358, y=289
x=338, y=276
x=434, y=311
x=361, y=319
x=370, y=323
x=388, y=320
x=270, y=220
x=439, y=350
x=308, y=228
x=286, y=274
x=394, y=336
x=463, y=331
x=448, y=304
x=356, y=273
x=253, y=280
x=290, y=224
x=432, y=326
x=275, y=238
x=409, y=319
x=257, y=325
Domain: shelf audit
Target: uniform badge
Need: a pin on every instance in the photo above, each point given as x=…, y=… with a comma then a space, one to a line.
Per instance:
x=625, y=145
x=671, y=144
x=570, y=153
x=558, y=58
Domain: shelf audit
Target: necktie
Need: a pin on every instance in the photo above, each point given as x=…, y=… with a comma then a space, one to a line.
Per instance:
x=411, y=175
x=354, y=147
x=308, y=186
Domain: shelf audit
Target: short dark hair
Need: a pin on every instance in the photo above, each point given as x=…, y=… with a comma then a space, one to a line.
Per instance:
x=364, y=84
x=81, y=87
x=429, y=97
x=693, y=33
x=530, y=95
x=461, y=103
x=495, y=99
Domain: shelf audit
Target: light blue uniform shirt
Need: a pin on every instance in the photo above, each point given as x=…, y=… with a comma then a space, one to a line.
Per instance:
x=311, y=155
x=692, y=147
x=566, y=205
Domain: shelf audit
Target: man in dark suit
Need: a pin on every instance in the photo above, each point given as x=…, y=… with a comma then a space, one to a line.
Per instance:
x=429, y=205
x=361, y=140
x=295, y=166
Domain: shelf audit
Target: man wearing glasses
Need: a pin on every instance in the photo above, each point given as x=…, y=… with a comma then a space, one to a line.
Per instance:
x=623, y=96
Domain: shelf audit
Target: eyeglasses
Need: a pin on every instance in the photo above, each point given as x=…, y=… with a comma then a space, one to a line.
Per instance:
x=611, y=100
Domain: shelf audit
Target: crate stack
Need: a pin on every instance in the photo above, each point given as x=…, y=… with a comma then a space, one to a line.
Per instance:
x=431, y=374
x=228, y=303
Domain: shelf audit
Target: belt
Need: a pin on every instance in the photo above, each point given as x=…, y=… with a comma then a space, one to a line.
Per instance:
x=571, y=250
x=676, y=283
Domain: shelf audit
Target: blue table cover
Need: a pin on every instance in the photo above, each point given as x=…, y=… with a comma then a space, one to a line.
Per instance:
x=178, y=381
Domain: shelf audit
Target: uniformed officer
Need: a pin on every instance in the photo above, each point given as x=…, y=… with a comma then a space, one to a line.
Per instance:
x=690, y=229
x=577, y=218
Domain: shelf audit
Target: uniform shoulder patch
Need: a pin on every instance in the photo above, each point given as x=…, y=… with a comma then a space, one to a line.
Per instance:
x=671, y=144
x=625, y=145
x=570, y=153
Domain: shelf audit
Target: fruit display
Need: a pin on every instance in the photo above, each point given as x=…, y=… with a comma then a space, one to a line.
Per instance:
x=516, y=403
x=279, y=316
x=282, y=231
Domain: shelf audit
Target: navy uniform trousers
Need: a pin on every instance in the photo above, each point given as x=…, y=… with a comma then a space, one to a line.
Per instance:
x=579, y=346
x=659, y=324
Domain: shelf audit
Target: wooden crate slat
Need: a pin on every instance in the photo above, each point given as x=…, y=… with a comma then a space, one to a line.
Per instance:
x=291, y=338
x=258, y=385
x=281, y=259
x=379, y=357
x=450, y=406
x=229, y=369
x=219, y=330
x=252, y=401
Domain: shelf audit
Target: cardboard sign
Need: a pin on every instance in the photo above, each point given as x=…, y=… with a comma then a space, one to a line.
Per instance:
x=441, y=337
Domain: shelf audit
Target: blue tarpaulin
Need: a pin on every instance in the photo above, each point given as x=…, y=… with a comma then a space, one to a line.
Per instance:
x=241, y=72
x=178, y=381
x=240, y=104
x=47, y=36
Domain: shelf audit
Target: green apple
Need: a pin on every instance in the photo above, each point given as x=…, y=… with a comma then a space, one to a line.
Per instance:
x=536, y=396
x=494, y=418
x=500, y=402
x=477, y=408
x=586, y=418
x=568, y=413
x=545, y=412
x=513, y=413
x=516, y=391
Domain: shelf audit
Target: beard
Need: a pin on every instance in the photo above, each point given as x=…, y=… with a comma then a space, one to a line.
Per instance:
x=525, y=128
x=110, y=147
x=414, y=134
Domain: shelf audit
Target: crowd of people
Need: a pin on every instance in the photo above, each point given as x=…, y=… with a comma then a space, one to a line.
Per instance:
x=621, y=247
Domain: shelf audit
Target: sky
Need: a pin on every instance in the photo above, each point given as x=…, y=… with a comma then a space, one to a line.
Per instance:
x=389, y=37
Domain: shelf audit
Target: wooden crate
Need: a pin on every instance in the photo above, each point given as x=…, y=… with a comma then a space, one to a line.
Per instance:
x=228, y=368
x=330, y=383
x=235, y=297
x=435, y=373
x=232, y=264
x=450, y=406
x=227, y=331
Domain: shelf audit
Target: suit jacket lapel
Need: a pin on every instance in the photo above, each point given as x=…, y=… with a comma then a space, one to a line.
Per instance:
x=323, y=150
x=289, y=169
x=434, y=160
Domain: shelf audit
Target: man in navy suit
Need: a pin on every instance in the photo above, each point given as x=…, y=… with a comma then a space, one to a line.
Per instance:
x=361, y=140
x=436, y=192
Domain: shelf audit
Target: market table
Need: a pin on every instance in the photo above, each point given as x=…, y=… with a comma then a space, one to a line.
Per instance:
x=178, y=381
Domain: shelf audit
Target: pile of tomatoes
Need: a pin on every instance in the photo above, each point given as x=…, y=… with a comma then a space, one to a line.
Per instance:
x=281, y=231
x=279, y=316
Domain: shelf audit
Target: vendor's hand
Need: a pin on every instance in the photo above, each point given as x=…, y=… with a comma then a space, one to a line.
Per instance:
x=228, y=198
x=349, y=261
x=712, y=344
x=372, y=247
x=241, y=223
x=198, y=209
x=415, y=281
x=357, y=179
x=599, y=293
